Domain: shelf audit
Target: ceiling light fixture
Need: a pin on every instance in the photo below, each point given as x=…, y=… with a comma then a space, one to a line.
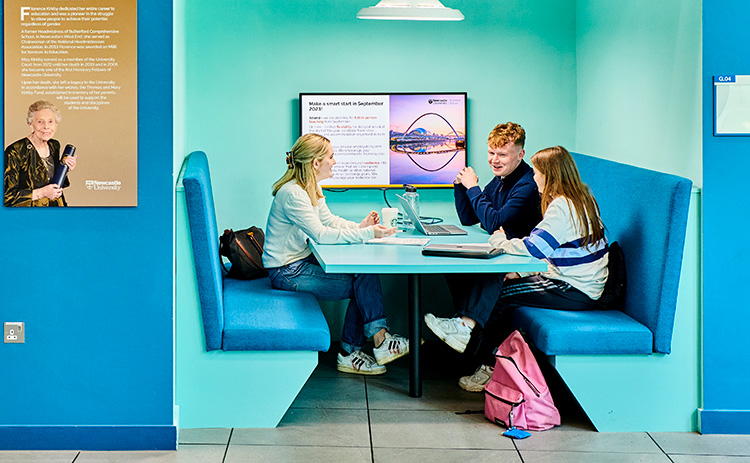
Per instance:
x=410, y=10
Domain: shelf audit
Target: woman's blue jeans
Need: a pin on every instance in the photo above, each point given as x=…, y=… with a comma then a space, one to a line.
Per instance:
x=365, y=315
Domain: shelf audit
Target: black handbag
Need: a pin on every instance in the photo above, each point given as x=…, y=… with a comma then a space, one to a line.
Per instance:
x=244, y=249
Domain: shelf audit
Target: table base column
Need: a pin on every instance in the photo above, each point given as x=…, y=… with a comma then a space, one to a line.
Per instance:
x=415, y=336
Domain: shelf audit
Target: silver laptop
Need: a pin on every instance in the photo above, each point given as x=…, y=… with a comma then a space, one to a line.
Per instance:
x=429, y=230
x=474, y=250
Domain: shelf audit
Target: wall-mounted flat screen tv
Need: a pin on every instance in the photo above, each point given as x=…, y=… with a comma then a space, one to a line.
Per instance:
x=387, y=140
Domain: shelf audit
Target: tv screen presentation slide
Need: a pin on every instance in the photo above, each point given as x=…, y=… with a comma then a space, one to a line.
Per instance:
x=389, y=140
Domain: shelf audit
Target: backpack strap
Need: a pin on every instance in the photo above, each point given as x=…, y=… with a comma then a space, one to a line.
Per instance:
x=257, y=245
x=244, y=251
x=223, y=245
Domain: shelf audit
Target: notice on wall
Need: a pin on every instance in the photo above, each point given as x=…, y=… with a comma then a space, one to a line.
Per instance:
x=732, y=105
x=81, y=57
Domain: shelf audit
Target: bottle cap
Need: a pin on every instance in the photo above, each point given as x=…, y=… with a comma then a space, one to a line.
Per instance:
x=410, y=188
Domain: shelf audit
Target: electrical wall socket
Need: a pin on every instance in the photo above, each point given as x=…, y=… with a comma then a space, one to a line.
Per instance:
x=14, y=332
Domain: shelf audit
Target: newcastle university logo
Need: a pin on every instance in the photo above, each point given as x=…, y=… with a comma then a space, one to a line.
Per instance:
x=112, y=185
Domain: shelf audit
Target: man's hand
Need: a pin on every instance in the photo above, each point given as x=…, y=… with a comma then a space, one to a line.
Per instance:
x=467, y=177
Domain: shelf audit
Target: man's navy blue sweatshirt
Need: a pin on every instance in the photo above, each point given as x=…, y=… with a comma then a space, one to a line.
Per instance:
x=512, y=203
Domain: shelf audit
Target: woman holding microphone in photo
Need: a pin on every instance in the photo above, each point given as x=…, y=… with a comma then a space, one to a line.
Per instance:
x=299, y=211
x=30, y=162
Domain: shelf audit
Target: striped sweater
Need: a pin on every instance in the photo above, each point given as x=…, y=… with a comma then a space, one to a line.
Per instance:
x=557, y=241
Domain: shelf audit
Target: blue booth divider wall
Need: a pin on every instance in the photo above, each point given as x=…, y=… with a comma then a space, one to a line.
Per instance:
x=648, y=392
x=244, y=350
x=615, y=362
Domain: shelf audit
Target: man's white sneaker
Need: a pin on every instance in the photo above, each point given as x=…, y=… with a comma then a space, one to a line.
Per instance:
x=453, y=331
x=359, y=363
x=391, y=348
x=477, y=381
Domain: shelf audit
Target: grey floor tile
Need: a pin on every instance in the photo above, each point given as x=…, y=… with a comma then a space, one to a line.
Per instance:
x=316, y=427
x=435, y=430
x=185, y=454
x=445, y=456
x=575, y=423
x=398, y=368
x=327, y=365
x=438, y=394
x=204, y=436
x=584, y=441
x=540, y=456
x=343, y=392
x=37, y=457
x=692, y=443
x=199, y=453
x=302, y=454
x=708, y=459
x=328, y=371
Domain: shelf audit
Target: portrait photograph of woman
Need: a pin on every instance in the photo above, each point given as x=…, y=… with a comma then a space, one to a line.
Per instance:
x=31, y=162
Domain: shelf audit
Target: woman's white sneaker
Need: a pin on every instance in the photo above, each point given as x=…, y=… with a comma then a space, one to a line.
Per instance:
x=359, y=363
x=453, y=331
x=477, y=381
x=391, y=348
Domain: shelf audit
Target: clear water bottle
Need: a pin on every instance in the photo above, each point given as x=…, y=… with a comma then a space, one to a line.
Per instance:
x=411, y=195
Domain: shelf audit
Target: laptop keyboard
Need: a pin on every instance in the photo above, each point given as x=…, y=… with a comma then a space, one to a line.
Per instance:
x=436, y=229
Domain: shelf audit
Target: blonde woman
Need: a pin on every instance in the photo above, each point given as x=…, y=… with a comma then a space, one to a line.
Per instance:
x=299, y=211
x=570, y=238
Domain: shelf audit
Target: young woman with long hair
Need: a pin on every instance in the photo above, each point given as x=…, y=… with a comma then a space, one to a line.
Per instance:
x=299, y=211
x=570, y=238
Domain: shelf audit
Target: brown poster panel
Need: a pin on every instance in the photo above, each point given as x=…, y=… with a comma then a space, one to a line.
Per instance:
x=80, y=56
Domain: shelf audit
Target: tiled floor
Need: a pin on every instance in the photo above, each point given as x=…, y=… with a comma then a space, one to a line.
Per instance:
x=346, y=418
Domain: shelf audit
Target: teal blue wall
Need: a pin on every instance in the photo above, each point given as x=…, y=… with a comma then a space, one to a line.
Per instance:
x=639, y=80
x=639, y=102
x=248, y=62
x=94, y=286
x=726, y=163
x=600, y=78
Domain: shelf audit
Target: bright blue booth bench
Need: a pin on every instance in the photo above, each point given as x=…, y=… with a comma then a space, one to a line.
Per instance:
x=647, y=213
x=242, y=315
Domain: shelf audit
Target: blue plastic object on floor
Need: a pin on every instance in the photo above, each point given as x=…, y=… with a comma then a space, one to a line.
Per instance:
x=515, y=433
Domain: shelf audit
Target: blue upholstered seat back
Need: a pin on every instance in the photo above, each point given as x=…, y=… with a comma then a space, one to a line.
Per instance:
x=646, y=212
x=205, y=239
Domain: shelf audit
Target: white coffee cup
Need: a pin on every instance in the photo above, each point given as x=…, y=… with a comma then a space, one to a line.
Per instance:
x=389, y=216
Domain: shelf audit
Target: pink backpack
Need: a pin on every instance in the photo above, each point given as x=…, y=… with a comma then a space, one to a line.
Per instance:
x=517, y=395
